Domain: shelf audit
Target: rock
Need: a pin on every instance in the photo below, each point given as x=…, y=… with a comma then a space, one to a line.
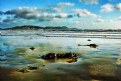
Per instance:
x=43, y=65
x=92, y=45
x=88, y=40
x=58, y=56
x=33, y=67
x=24, y=70
x=49, y=56
x=79, y=45
x=66, y=55
x=32, y=48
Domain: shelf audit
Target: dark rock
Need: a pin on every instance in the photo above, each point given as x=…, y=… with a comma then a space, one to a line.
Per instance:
x=58, y=56
x=43, y=65
x=33, y=67
x=88, y=40
x=66, y=55
x=24, y=70
x=49, y=56
x=79, y=45
x=92, y=45
x=32, y=48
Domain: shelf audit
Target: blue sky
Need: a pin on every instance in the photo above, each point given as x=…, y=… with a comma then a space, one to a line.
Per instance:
x=82, y=14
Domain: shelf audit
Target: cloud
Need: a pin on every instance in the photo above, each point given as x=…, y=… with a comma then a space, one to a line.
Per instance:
x=9, y=20
x=60, y=7
x=35, y=13
x=84, y=13
x=99, y=20
x=89, y=1
x=118, y=6
x=63, y=4
x=23, y=11
x=119, y=18
x=107, y=8
x=110, y=7
x=57, y=9
x=77, y=22
x=63, y=15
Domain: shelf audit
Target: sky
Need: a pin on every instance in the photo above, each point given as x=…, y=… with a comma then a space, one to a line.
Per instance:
x=81, y=14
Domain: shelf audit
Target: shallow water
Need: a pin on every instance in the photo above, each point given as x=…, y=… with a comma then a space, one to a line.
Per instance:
x=93, y=64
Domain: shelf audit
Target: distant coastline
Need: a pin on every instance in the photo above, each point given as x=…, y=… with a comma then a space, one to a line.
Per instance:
x=59, y=28
x=28, y=30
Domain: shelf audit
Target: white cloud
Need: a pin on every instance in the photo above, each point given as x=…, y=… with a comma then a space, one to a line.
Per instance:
x=62, y=4
x=118, y=6
x=99, y=20
x=90, y=1
x=56, y=9
x=60, y=7
x=107, y=8
x=85, y=13
x=119, y=18
x=63, y=15
x=77, y=22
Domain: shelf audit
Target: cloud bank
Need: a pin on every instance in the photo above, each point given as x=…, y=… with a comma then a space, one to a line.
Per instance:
x=35, y=13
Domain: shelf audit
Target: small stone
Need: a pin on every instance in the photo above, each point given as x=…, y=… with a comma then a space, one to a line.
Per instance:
x=32, y=48
x=88, y=40
x=43, y=65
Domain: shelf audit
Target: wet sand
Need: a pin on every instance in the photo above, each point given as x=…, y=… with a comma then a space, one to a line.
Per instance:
x=66, y=72
x=102, y=63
